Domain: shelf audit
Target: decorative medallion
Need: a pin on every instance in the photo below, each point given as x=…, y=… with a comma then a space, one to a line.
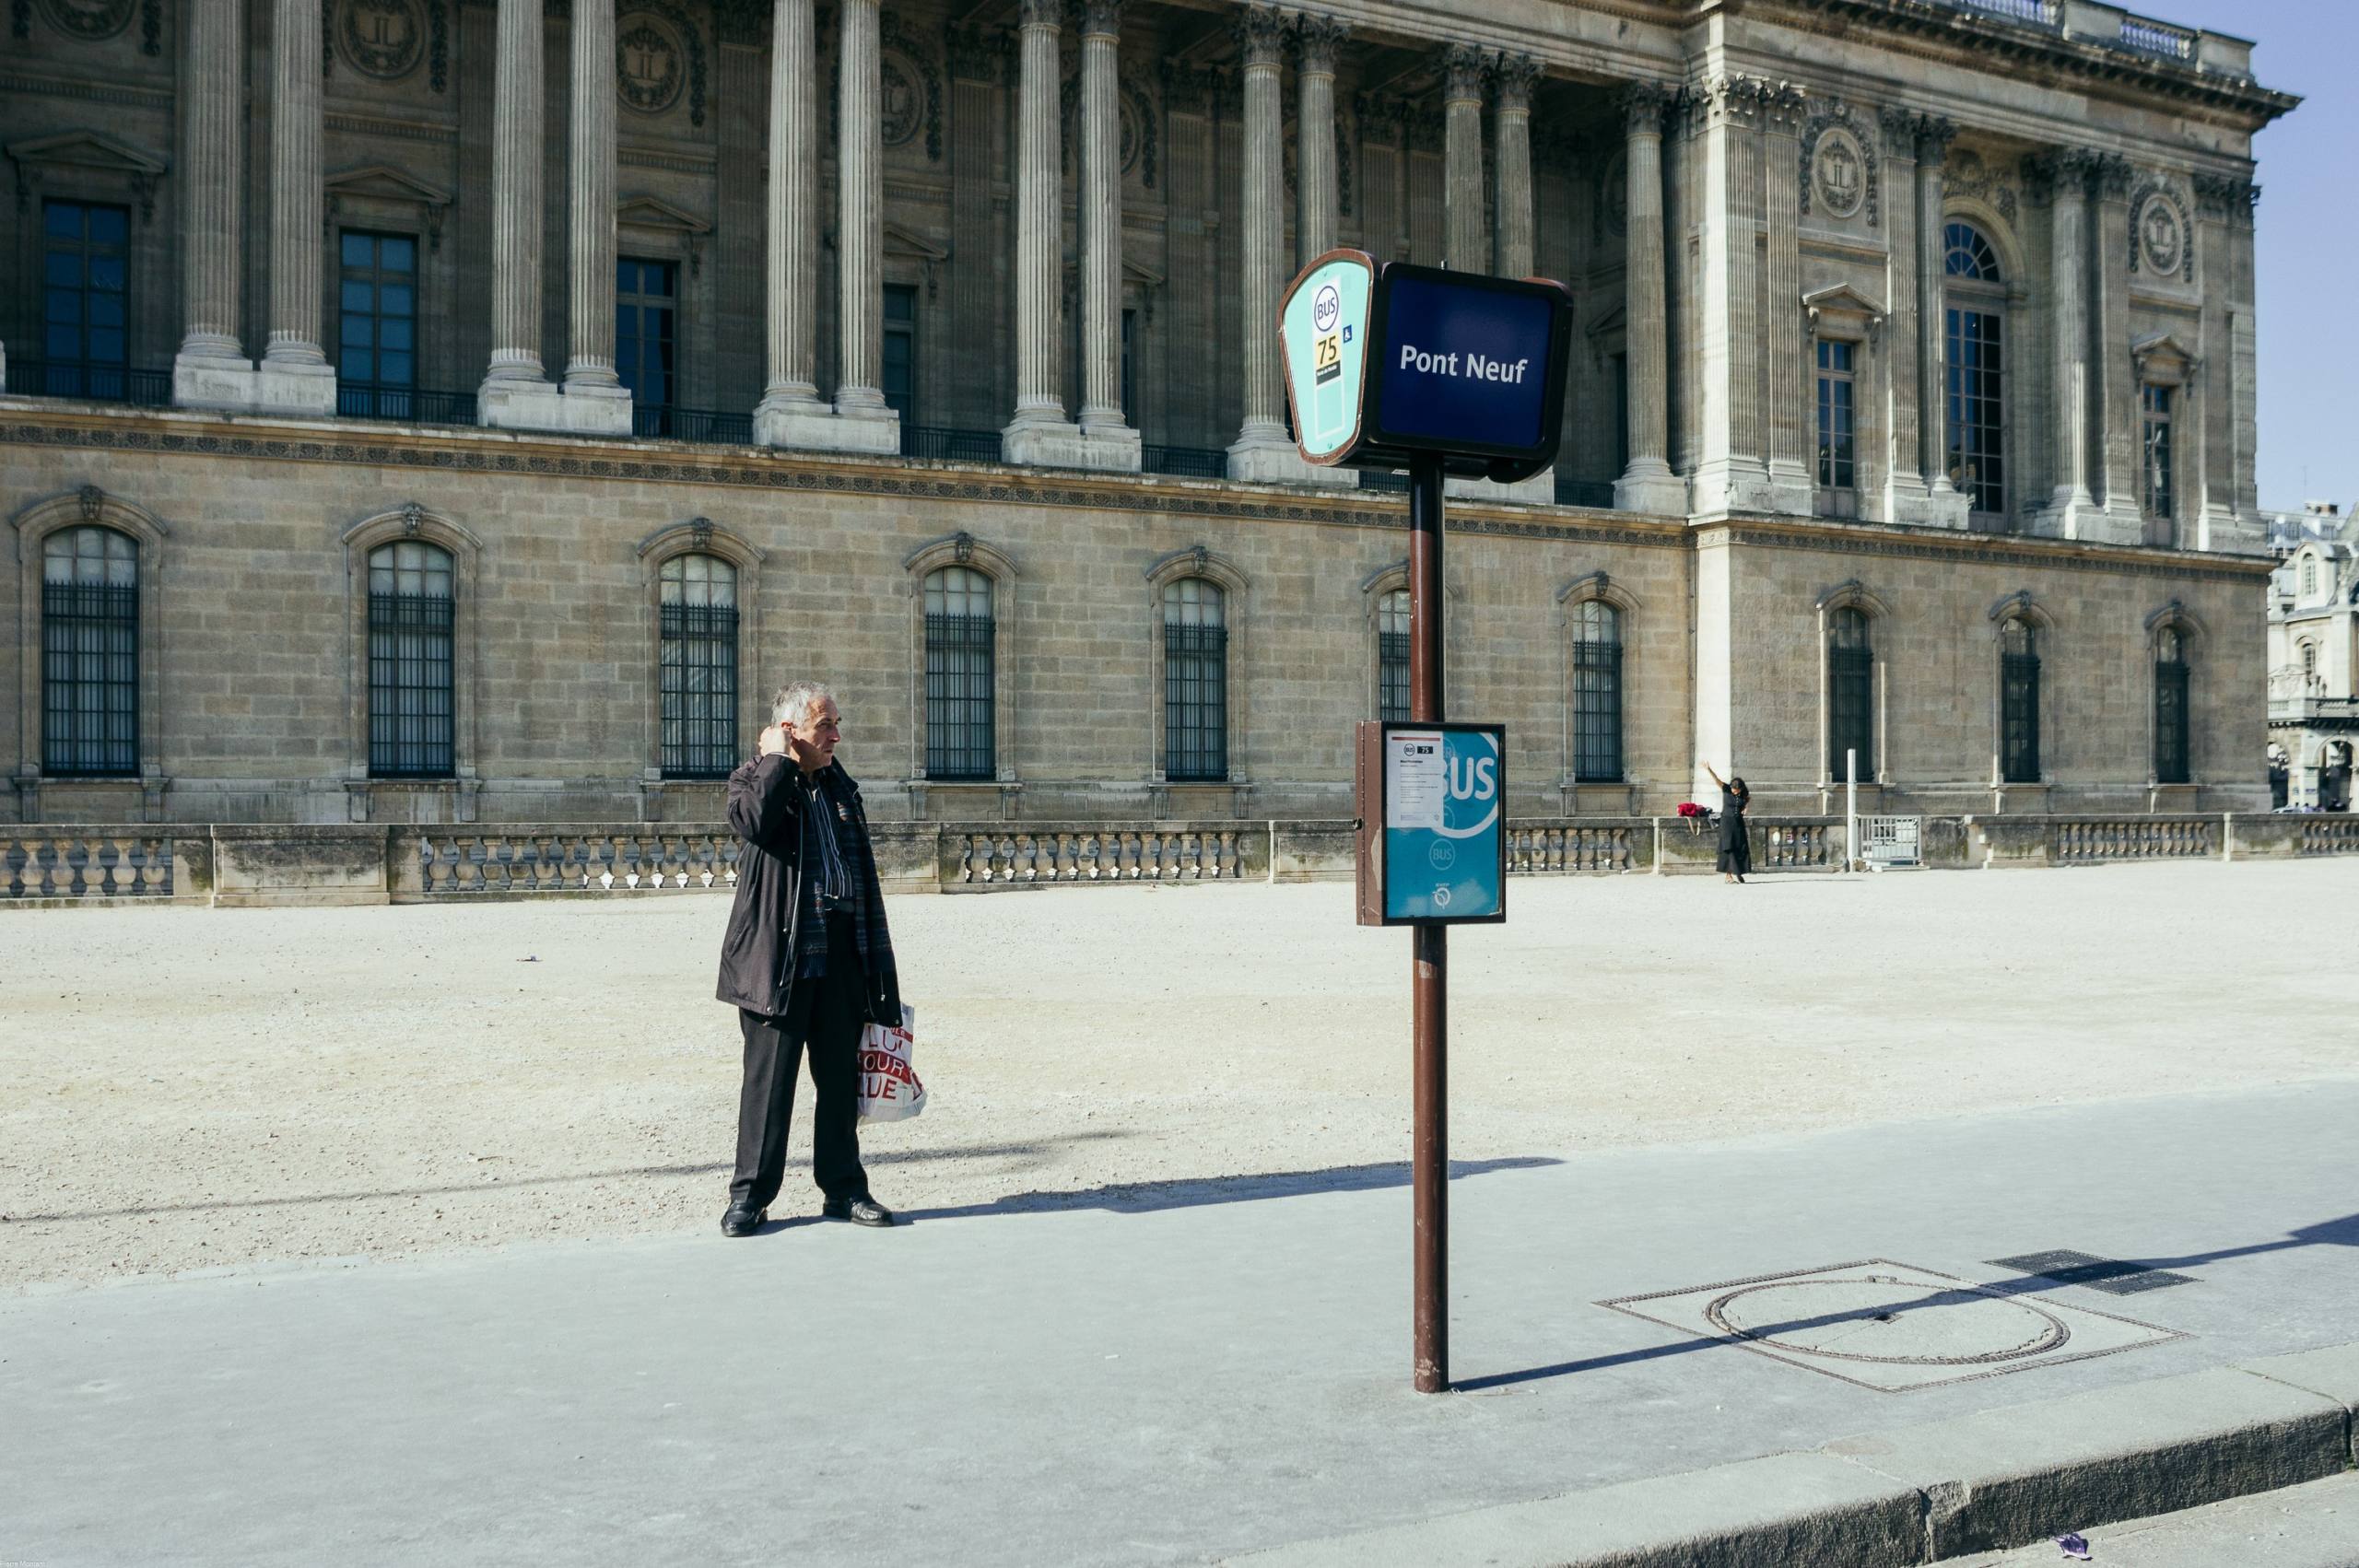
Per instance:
x=1839, y=175
x=650, y=65
x=380, y=38
x=90, y=19
x=903, y=102
x=2162, y=236
x=1129, y=119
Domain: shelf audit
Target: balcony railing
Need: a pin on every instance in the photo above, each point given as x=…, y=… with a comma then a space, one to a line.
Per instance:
x=706, y=427
x=2038, y=13
x=943, y=444
x=1186, y=462
x=96, y=383
x=408, y=404
x=2164, y=42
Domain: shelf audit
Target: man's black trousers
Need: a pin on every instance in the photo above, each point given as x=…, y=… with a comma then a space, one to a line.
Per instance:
x=824, y=1015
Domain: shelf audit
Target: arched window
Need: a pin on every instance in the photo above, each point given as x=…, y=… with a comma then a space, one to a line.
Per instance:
x=697, y=620
x=2309, y=577
x=1392, y=656
x=2019, y=701
x=2310, y=663
x=410, y=696
x=1597, y=693
x=1850, y=685
x=2170, y=708
x=1974, y=372
x=959, y=642
x=89, y=644
x=1195, y=681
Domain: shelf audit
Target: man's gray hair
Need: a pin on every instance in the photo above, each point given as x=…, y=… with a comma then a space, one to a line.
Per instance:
x=795, y=705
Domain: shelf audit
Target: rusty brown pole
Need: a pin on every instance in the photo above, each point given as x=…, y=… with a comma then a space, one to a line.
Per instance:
x=1429, y=982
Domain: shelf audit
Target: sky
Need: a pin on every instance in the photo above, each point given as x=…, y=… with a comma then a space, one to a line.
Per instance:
x=2307, y=241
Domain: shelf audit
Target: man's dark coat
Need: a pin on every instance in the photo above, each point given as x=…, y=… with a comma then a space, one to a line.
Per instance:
x=766, y=807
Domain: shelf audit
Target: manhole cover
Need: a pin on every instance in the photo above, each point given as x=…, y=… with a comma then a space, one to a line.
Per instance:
x=1891, y=1327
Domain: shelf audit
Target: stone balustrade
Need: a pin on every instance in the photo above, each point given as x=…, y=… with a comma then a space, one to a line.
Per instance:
x=2080, y=842
x=2330, y=835
x=80, y=862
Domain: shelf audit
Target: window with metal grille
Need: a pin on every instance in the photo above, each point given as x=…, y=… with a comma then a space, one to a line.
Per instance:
x=696, y=607
x=1974, y=371
x=1392, y=656
x=900, y=369
x=85, y=321
x=1195, y=681
x=960, y=704
x=2157, y=446
x=410, y=685
x=1850, y=685
x=377, y=325
x=2170, y=709
x=89, y=654
x=1597, y=693
x=1837, y=444
x=646, y=357
x=2019, y=702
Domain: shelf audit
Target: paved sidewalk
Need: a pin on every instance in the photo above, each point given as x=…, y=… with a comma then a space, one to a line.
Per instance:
x=1160, y=1374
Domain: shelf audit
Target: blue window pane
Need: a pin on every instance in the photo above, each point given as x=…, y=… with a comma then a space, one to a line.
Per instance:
x=395, y=299
x=394, y=332
x=62, y=219
x=63, y=342
x=394, y=367
x=356, y=250
x=656, y=278
x=358, y=296
x=106, y=346
x=106, y=272
x=626, y=275
x=66, y=268
x=105, y=310
x=626, y=320
x=397, y=253
x=356, y=332
x=66, y=305
x=107, y=225
x=359, y=364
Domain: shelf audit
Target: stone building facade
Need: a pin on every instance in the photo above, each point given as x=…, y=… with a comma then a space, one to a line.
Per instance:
x=2314, y=657
x=439, y=410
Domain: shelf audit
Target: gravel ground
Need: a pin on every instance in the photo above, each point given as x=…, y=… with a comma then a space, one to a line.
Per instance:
x=187, y=1088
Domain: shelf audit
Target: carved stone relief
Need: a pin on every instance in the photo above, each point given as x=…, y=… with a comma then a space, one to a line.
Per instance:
x=650, y=67
x=1967, y=174
x=384, y=38
x=1841, y=173
x=91, y=20
x=2159, y=245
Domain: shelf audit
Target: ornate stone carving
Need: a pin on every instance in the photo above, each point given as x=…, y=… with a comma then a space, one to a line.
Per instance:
x=1100, y=15
x=742, y=21
x=1969, y=175
x=91, y=20
x=1783, y=106
x=1315, y=40
x=1642, y=106
x=1516, y=75
x=658, y=55
x=1190, y=89
x=2112, y=176
x=1899, y=130
x=699, y=534
x=1135, y=110
x=384, y=39
x=1261, y=34
x=1934, y=135
x=921, y=83
x=2159, y=234
x=899, y=111
x=1736, y=100
x=1463, y=68
x=2222, y=198
x=1841, y=174
x=412, y=519
x=92, y=501
x=962, y=545
x=978, y=54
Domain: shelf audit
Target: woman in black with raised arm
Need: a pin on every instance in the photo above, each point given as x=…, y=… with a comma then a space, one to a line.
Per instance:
x=1736, y=844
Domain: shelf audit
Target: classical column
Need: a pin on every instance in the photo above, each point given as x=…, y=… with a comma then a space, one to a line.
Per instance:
x=1648, y=484
x=1906, y=499
x=1786, y=335
x=1103, y=414
x=1949, y=508
x=1465, y=247
x=1040, y=405
x=296, y=377
x=1511, y=135
x=2112, y=377
x=2071, y=503
x=515, y=214
x=1316, y=41
x=212, y=370
x=589, y=295
x=1263, y=35
x=791, y=265
x=859, y=229
x=1729, y=472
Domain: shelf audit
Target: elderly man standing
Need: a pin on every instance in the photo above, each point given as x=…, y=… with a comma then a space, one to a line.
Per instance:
x=806, y=960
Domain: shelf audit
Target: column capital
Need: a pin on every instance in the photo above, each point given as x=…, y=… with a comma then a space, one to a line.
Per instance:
x=1463, y=67
x=1516, y=75
x=1100, y=18
x=1317, y=37
x=1899, y=130
x=1934, y=133
x=2225, y=198
x=1642, y=108
x=2109, y=177
x=1783, y=106
x=1049, y=13
x=978, y=53
x=1736, y=100
x=1193, y=89
x=1261, y=33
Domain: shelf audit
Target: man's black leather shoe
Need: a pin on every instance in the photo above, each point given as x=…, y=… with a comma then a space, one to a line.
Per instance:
x=859, y=1211
x=743, y=1221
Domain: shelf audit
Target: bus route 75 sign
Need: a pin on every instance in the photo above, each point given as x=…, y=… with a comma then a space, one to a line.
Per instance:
x=1432, y=823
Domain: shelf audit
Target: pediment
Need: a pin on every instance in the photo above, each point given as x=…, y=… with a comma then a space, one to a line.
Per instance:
x=385, y=183
x=1145, y=276
x=87, y=149
x=2160, y=345
x=904, y=241
x=647, y=212
x=1844, y=299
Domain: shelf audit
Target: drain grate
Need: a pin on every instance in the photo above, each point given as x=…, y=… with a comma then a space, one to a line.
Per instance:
x=2107, y=1274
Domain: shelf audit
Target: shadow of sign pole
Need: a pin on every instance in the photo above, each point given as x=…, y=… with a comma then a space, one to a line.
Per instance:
x=1438, y=372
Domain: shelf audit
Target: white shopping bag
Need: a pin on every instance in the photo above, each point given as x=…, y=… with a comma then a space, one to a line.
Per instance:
x=890, y=1090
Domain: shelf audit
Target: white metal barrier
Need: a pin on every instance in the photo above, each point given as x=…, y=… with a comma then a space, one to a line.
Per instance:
x=1888, y=841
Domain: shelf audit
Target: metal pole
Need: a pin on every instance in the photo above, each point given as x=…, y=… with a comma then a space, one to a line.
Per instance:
x=1429, y=983
x=1852, y=858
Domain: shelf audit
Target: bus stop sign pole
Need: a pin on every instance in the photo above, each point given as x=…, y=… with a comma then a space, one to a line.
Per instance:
x=1429, y=983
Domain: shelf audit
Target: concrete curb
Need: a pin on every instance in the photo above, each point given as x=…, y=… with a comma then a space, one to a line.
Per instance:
x=1915, y=1494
